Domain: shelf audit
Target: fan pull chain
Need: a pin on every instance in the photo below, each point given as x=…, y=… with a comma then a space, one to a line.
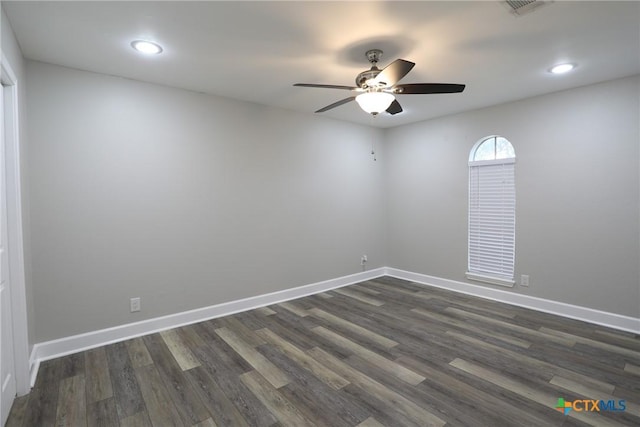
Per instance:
x=373, y=141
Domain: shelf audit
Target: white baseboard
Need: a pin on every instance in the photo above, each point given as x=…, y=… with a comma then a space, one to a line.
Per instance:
x=76, y=343
x=598, y=317
x=34, y=366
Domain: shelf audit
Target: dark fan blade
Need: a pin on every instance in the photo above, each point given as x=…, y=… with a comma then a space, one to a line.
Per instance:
x=394, y=108
x=336, y=104
x=394, y=72
x=425, y=88
x=326, y=86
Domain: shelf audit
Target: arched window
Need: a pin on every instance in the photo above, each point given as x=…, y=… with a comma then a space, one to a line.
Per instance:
x=492, y=211
x=492, y=148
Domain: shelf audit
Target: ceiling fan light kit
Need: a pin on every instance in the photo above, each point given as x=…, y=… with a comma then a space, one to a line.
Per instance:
x=377, y=88
x=375, y=102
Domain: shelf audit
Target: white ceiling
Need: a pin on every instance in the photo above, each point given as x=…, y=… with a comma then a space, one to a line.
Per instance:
x=255, y=51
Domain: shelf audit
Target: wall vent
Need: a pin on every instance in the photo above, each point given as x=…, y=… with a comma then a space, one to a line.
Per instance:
x=520, y=7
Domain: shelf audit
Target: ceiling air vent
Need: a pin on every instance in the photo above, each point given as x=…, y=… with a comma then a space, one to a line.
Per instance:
x=520, y=7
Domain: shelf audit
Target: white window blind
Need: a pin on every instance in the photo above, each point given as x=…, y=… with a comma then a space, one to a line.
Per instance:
x=492, y=220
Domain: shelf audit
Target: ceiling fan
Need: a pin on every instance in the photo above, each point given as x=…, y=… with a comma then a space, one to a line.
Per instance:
x=377, y=88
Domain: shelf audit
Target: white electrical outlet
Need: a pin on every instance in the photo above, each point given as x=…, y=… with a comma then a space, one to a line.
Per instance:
x=524, y=280
x=134, y=304
x=363, y=260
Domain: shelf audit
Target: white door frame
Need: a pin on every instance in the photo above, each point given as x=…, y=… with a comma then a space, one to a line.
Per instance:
x=15, y=245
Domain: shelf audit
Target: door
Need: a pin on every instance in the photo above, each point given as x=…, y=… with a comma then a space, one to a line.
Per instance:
x=7, y=367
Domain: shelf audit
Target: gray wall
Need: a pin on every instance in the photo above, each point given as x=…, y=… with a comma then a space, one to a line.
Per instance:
x=189, y=200
x=186, y=200
x=577, y=193
x=12, y=52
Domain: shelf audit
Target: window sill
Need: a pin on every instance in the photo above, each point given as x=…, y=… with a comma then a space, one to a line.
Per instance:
x=491, y=280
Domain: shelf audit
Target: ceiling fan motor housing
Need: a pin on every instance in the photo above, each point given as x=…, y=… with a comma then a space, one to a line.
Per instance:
x=373, y=56
x=365, y=76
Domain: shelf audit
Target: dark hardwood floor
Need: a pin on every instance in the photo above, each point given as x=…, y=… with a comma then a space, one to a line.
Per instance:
x=382, y=352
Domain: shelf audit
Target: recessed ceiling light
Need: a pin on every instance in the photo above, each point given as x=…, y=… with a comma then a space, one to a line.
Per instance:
x=147, y=47
x=562, y=68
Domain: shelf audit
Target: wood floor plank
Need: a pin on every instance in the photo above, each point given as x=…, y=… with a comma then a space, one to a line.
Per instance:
x=141, y=419
x=223, y=351
x=295, y=333
x=410, y=339
x=157, y=400
x=98, y=380
x=138, y=353
x=632, y=369
x=292, y=320
x=266, y=311
x=370, y=422
x=284, y=411
x=292, y=307
x=632, y=342
x=305, y=361
x=486, y=309
x=125, y=386
x=190, y=337
x=217, y=403
x=181, y=353
x=18, y=412
x=469, y=327
x=383, y=363
x=72, y=365
x=369, y=318
x=218, y=366
x=506, y=325
x=387, y=289
x=575, y=386
x=315, y=399
x=252, y=320
x=260, y=363
x=363, y=287
x=102, y=413
x=502, y=381
x=359, y=296
x=407, y=298
x=72, y=406
x=206, y=423
x=243, y=332
x=353, y=328
x=593, y=343
x=406, y=406
x=187, y=403
x=386, y=412
x=43, y=401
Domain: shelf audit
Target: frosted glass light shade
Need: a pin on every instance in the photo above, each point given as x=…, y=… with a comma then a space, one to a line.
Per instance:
x=374, y=102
